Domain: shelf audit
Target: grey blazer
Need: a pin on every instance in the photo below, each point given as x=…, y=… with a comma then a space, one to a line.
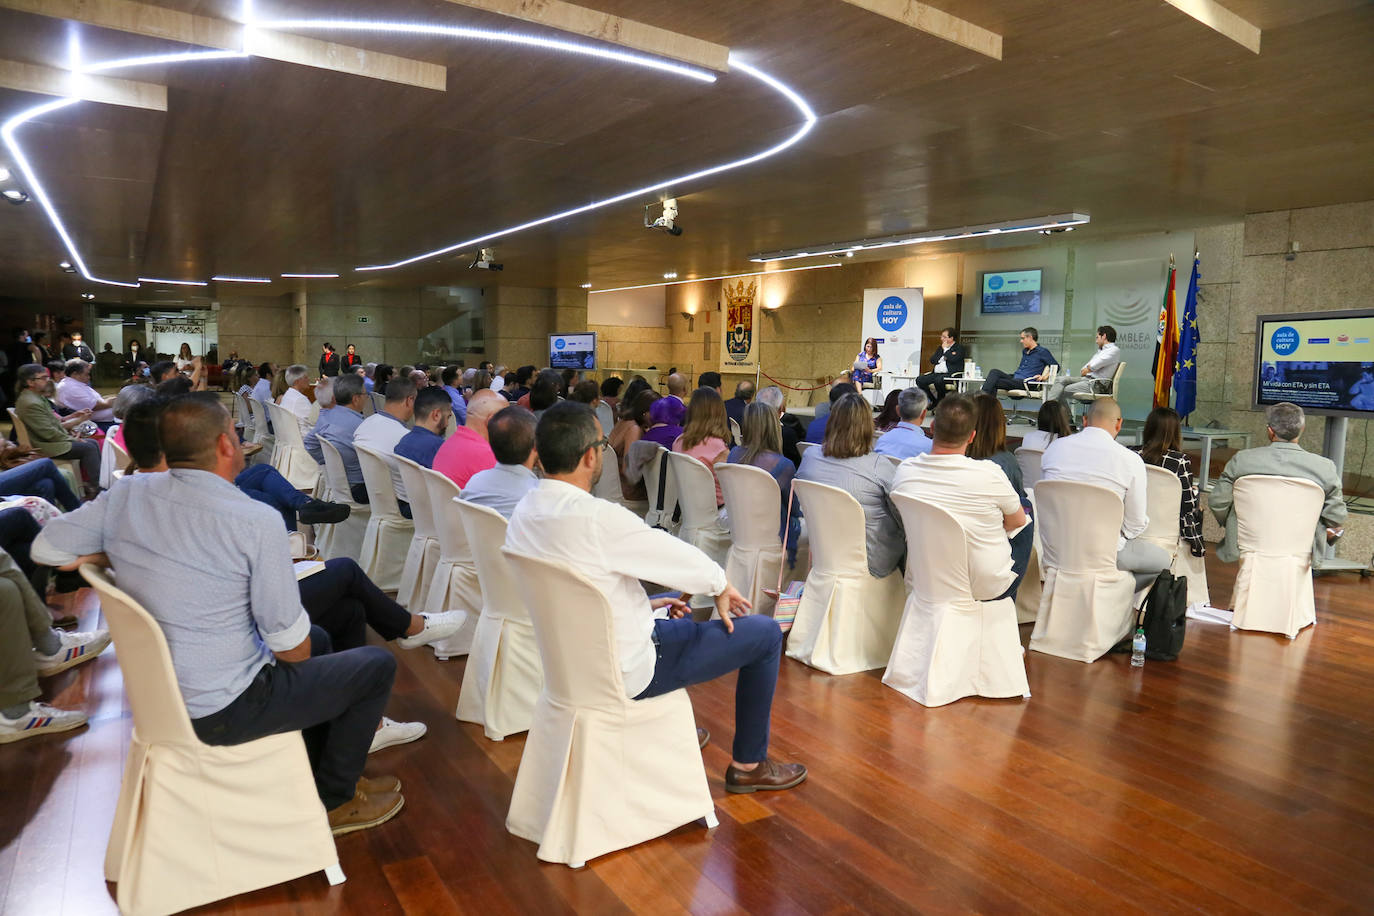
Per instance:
x=1282, y=459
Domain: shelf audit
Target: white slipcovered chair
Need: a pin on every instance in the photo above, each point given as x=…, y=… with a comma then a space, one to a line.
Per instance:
x=344, y=539
x=289, y=456
x=1033, y=582
x=607, y=486
x=735, y=431
x=243, y=416
x=376, y=401
x=950, y=645
x=389, y=533
x=422, y=556
x=69, y=468
x=653, y=469
x=1275, y=518
x=753, y=504
x=803, y=446
x=701, y=524
x=263, y=434
x=455, y=586
x=112, y=459
x=196, y=823
x=1028, y=459
x=503, y=676
x=847, y=620
x=600, y=771
x=1086, y=606
x=1164, y=494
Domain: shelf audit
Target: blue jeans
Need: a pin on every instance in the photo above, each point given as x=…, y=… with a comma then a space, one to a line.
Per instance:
x=266, y=484
x=42, y=479
x=693, y=653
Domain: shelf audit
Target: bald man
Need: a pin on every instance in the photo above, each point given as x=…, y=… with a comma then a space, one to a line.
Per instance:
x=1095, y=457
x=467, y=451
x=677, y=387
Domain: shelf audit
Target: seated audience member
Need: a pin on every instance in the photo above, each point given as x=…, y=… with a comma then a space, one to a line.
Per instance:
x=634, y=420
x=990, y=440
x=1050, y=423
x=744, y=396
x=762, y=448
x=420, y=378
x=460, y=405
x=846, y=461
x=1096, y=374
x=710, y=380
x=343, y=422
x=793, y=430
x=29, y=649
x=47, y=434
x=324, y=393
x=589, y=393
x=677, y=387
x=1094, y=456
x=947, y=360
x=383, y=375
x=433, y=413
x=815, y=430
x=888, y=417
x=1282, y=457
x=75, y=393
x=906, y=439
x=249, y=378
x=1035, y=366
x=1163, y=448
x=467, y=451
x=247, y=660
x=165, y=369
x=660, y=649
x=174, y=386
x=546, y=391
x=381, y=431
x=522, y=384
x=325, y=396
x=33, y=477
x=569, y=378
x=294, y=399
x=706, y=434
x=510, y=432
x=369, y=372
x=977, y=494
x=610, y=391
x=665, y=421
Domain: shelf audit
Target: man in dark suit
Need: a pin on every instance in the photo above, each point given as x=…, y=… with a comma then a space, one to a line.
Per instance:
x=329, y=362
x=947, y=359
x=76, y=348
x=734, y=408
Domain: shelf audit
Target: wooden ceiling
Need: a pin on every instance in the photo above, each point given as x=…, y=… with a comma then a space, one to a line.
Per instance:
x=1130, y=111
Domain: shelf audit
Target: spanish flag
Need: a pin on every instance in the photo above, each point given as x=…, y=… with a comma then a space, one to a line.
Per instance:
x=1166, y=345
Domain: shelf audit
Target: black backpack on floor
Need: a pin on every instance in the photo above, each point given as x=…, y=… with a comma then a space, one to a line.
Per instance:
x=1166, y=617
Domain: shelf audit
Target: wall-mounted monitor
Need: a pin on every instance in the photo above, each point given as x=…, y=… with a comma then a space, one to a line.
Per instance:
x=572, y=351
x=1321, y=361
x=1009, y=292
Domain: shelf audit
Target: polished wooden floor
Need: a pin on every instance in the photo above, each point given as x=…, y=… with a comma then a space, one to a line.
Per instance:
x=1238, y=779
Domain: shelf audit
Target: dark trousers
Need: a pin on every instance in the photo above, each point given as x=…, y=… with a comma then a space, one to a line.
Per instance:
x=1005, y=381
x=335, y=699
x=933, y=384
x=88, y=453
x=267, y=485
x=693, y=653
x=404, y=506
x=344, y=602
x=17, y=531
x=359, y=493
x=39, y=478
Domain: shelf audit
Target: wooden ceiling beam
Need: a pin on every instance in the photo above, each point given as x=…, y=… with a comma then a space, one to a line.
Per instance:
x=92, y=87
x=1220, y=19
x=935, y=22
x=203, y=31
x=617, y=30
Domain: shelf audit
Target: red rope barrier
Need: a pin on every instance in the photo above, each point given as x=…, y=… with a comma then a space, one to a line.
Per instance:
x=793, y=387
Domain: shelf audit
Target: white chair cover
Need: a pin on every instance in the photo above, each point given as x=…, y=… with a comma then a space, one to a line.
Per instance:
x=243, y=416
x=1033, y=582
x=847, y=620
x=1275, y=518
x=422, y=557
x=652, y=468
x=389, y=534
x=599, y=772
x=949, y=645
x=701, y=524
x=1086, y=607
x=754, y=508
x=288, y=453
x=607, y=487
x=261, y=435
x=803, y=446
x=503, y=677
x=1163, y=494
x=346, y=538
x=378, y=403
x=109, y=460
x=735, y=431
x=455, y=585
x=1028, y=459
x=196, y=823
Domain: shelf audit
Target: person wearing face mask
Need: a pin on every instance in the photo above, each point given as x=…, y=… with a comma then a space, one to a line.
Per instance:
x=134, y=354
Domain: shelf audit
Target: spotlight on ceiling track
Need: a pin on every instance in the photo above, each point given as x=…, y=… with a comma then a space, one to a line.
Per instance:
x=486, y=260
x=586, y=286
x=15, y=196
x=88, y=296
x=66, y=267
x=670, y=275
x=1057, y=229
x=667, y=221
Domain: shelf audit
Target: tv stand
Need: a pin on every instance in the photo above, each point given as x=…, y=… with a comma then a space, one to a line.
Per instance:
x=1333, y=447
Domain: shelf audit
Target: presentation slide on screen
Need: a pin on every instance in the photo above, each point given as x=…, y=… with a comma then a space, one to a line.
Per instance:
x=1011, y=292
x=1319, y=363
x=572, y=351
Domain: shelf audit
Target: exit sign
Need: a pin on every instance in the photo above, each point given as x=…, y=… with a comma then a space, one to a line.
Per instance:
x=362, y=319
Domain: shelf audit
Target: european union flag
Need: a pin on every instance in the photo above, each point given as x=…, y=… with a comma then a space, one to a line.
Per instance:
x=1185, y=369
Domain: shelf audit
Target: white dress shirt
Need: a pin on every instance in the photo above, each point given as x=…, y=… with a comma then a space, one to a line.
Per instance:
x=296, y=403
x=1094, y=456
x=1104, y=361
x=614, y=549
x=380, y=432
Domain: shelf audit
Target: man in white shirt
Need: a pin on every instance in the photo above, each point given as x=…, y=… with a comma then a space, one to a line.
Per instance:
x=75, y=392
x=660, y=649
x=294, y=399
x=1096, y=375
x=381, y=431
x=1094, y=456
x=977, y=493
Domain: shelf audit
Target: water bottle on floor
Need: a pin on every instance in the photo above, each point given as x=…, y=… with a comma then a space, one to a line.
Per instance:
x=1138, y=648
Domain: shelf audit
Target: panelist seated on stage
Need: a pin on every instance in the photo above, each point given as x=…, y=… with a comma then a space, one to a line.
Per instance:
x=1096, y=375
x=947, y=360
x=866, y=363
x=1035, y=366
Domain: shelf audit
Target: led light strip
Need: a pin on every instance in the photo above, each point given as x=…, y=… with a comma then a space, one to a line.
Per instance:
x=159, y=281
x=1036, y=223
x=757, y=273
x=242, y=279
x=7, y=131
x=309, y=276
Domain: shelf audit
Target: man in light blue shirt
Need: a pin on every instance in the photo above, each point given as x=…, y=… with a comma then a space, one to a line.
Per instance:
x=907, y=439
x=368, y=371
x=511, y=434
x=344, y=421
x=460, y=406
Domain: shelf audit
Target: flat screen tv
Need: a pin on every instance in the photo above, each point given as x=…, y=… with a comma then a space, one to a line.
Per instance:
x=1321, y=361
x=572, y=351
x=1010, y=292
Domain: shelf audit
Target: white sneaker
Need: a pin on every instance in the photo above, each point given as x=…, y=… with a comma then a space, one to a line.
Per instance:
x=40, y=719
x=76, y=648
x=393, y=733
x=440, y=625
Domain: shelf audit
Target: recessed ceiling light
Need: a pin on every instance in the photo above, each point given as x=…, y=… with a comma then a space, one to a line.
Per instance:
x=586, y=286
x=88, y=296
x=670, y=275
x=15, y=196
x=66, y=266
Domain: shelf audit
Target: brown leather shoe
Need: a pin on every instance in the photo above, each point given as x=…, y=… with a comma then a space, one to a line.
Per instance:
x=766, y=777
x=703, y=738
x=375, y=785
x=363, y=811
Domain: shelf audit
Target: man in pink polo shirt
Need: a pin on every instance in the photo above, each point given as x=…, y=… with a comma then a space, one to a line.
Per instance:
x=466, y=452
